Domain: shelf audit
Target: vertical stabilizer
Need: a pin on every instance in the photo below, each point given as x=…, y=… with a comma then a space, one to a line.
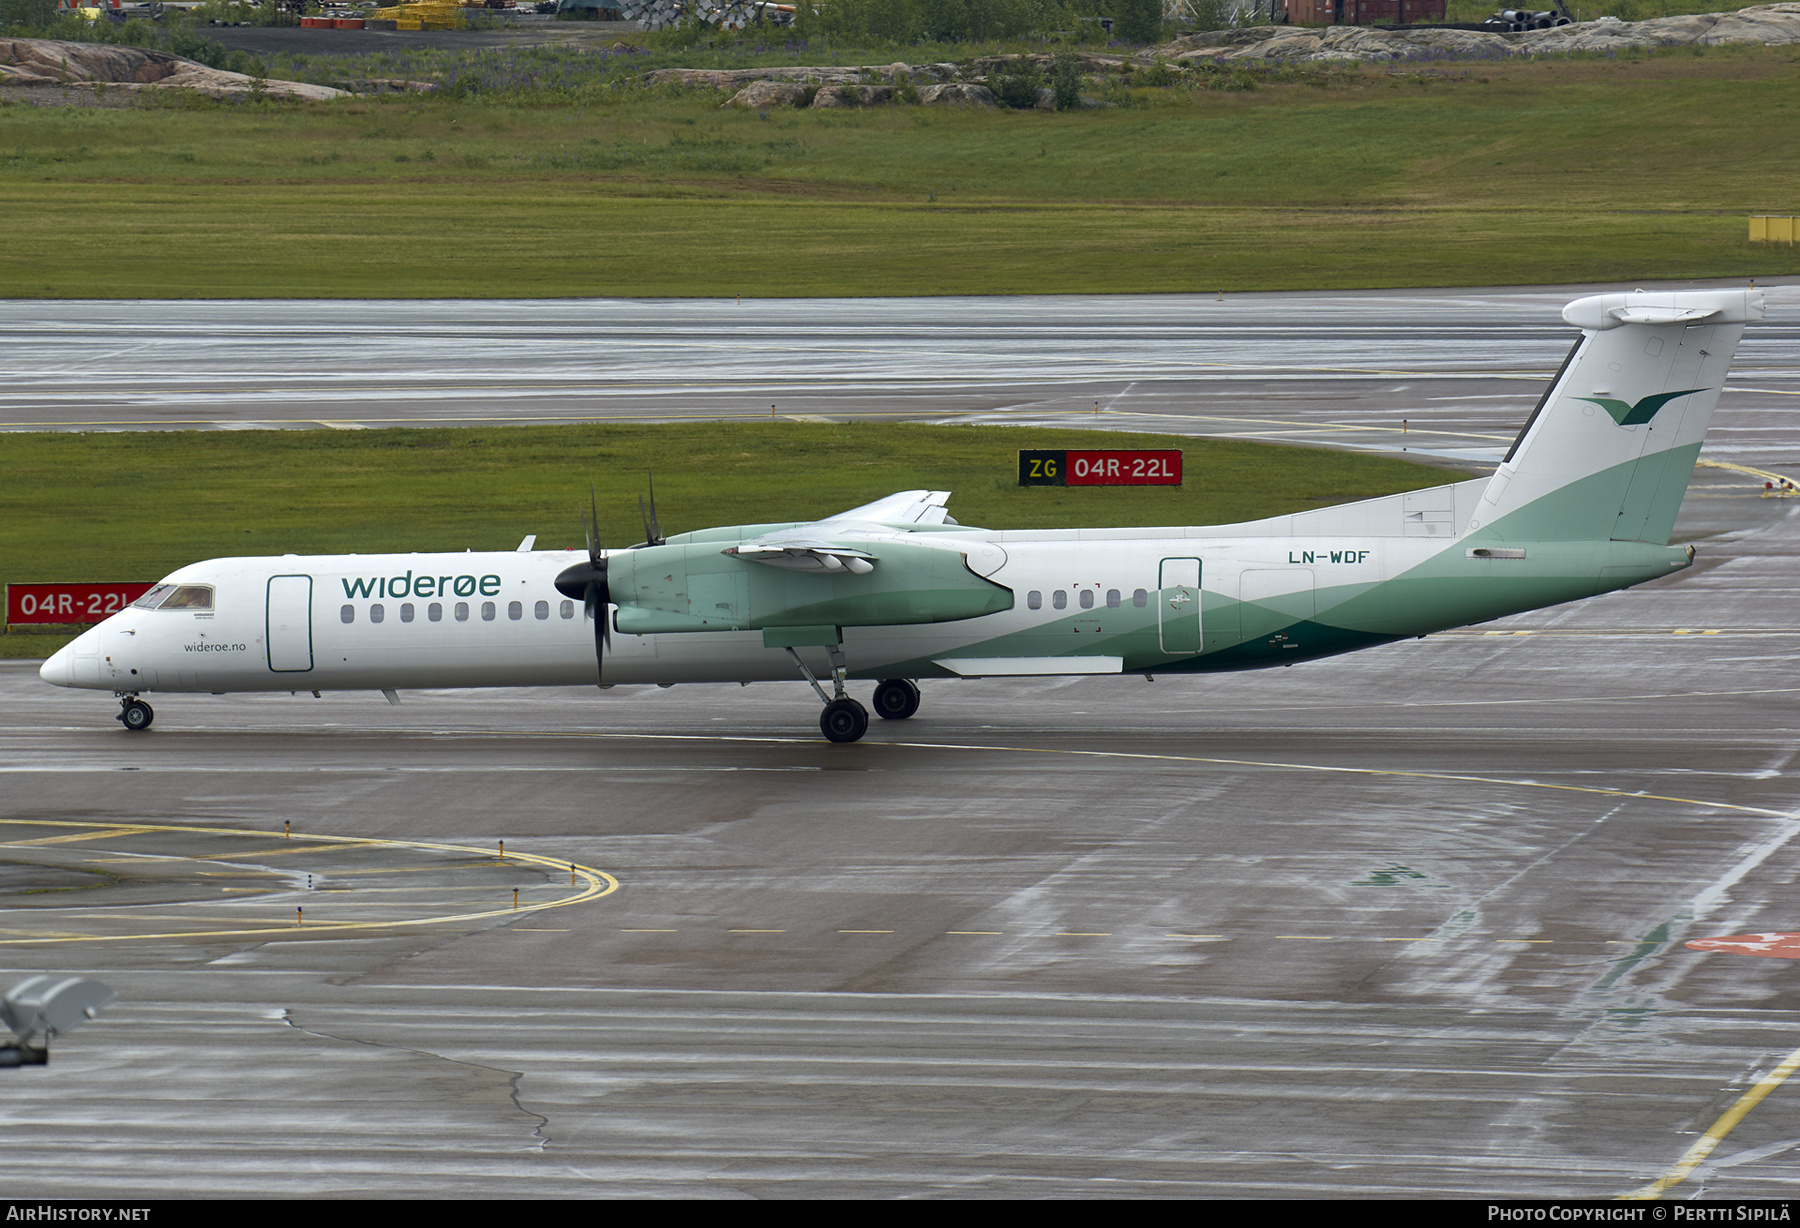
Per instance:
x=1609, y=453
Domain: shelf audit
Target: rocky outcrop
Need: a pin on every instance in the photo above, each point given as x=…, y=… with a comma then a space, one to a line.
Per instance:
x=738, y=78
x=42, y=61
x=941, y=84
x=764, y=94
x=1088, y=62
x=958, y=94
x=1774, y=24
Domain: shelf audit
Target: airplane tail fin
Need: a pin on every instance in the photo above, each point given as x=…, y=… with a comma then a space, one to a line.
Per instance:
x=1611, y=447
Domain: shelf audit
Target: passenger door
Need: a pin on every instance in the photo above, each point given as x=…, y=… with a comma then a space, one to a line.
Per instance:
x=288, y=631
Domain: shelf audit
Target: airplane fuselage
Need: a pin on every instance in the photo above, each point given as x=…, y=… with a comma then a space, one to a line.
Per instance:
x=1083, y=601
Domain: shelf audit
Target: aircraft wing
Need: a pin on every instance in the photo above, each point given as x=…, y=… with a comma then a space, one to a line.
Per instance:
x=906, y=507
x=823, y=545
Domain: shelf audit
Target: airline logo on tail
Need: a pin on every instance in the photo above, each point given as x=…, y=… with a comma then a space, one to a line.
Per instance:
x=1643, y=411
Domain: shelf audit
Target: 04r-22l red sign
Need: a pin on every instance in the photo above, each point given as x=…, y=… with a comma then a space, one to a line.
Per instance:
x=1100, y=468
x=69, y=603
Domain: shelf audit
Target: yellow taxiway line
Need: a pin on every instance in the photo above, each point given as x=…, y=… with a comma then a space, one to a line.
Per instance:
x=1703, y=1146
x=598, y=883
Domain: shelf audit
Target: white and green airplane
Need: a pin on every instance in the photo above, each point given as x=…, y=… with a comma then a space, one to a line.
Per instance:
x=896, y=591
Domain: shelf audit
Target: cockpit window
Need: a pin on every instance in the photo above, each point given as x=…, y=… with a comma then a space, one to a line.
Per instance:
x=189, y=597
x=177, y=597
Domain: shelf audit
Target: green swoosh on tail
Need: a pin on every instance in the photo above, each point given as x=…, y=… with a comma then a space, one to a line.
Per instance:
x=1643, y=411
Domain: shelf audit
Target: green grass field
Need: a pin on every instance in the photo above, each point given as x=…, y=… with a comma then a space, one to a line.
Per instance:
x=149, y=502
x=1454, y=174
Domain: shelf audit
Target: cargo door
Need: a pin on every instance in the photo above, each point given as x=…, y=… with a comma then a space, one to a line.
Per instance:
x=288, y=631
x=1178, y=605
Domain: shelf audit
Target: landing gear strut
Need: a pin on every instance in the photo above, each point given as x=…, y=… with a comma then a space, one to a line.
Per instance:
x=896, y=699
x=843, y=720
x=134, y=713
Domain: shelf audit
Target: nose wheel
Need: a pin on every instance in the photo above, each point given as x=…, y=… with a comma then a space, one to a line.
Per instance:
x=134, y=713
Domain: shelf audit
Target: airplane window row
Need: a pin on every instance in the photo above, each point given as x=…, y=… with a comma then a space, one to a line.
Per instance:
x=515, y=611
x=1059, y=599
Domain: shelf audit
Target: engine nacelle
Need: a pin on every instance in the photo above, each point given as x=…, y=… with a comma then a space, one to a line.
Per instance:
x=697, y=587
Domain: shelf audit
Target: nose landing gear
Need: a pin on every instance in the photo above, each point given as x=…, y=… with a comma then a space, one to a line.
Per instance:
x=134, y=713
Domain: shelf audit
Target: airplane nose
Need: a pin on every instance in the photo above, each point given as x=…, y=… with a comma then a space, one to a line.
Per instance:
x=59, y=670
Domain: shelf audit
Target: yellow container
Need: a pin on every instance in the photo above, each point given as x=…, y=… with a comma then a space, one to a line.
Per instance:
x=1774, y=229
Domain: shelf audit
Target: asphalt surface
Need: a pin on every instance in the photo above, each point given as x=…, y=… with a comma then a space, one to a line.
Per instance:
x=1406, y=922
x=1444, y=372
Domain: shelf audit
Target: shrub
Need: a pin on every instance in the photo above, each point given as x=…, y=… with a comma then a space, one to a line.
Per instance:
x=1017, y=84
x=1065, y=79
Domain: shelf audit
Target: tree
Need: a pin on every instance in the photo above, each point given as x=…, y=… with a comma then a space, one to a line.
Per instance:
x=1065, y=79
x=1137, y=21
x=27, y=14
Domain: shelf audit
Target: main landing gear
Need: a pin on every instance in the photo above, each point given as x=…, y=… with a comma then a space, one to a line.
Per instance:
x=134, y=713
x=843, y=718
x=896, y=699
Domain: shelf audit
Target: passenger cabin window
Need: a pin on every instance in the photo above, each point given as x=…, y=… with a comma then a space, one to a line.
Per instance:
x=177, y=597
x=1034, y=600
x=487, y=611
x=406, y=612
x=1087, y=598
x=377, y=613
x=1112, y=598
x=435, y=612
x=541, y=610
x=568, y=609
x=1140, y=598
x=515, y=610
x=1060, y=599
x=348, y=613
x=462, y=611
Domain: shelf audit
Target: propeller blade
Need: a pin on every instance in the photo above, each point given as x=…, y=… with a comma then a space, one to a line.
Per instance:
x=591, y=526
x=587, y=581
x=652, y=529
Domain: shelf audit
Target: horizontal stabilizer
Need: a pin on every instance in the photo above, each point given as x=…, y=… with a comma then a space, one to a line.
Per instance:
x=1599, y=312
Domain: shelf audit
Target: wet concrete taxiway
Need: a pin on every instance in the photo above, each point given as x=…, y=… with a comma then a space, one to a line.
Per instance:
x=1411, y=921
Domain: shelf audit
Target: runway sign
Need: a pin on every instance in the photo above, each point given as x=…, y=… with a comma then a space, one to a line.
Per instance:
x=69, y=603
x=1100, y=468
